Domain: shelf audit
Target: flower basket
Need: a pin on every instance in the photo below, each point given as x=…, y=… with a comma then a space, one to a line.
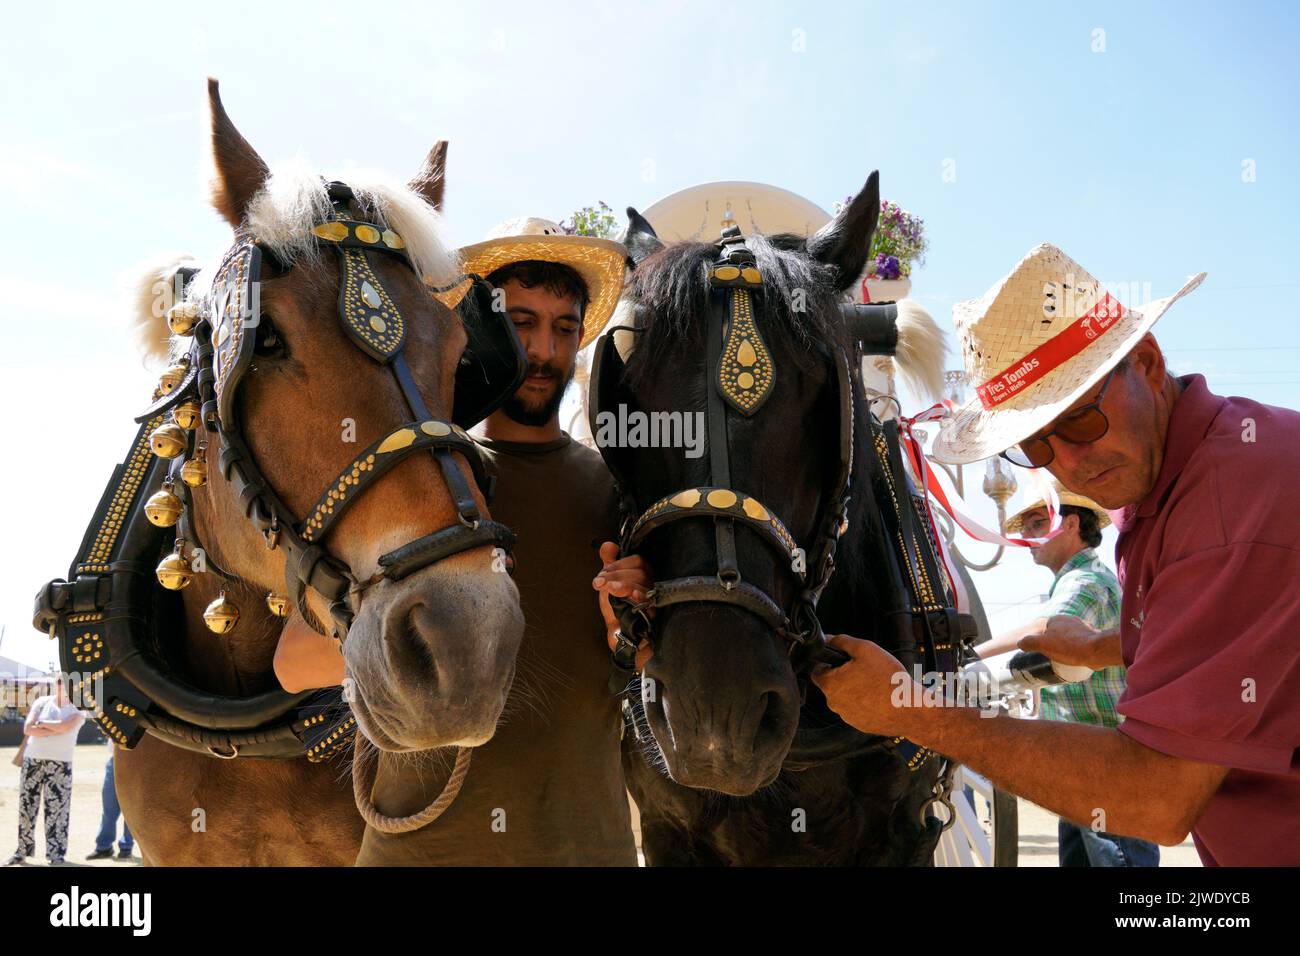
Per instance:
x=885, y=290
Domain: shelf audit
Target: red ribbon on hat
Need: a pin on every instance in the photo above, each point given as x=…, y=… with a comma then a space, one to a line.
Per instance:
x=952, y=504
x=1053, y=353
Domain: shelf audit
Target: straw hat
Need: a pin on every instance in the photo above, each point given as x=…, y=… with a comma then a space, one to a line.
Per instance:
x=600, y=262
x=1015, y=524
x=1033, y=345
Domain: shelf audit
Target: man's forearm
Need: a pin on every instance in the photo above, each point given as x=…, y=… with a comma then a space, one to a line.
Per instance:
x=1008, y=641
x=1075, y=770
x=1107, y=651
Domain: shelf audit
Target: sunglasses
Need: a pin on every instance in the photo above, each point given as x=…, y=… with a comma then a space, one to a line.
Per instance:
x=1079, y=427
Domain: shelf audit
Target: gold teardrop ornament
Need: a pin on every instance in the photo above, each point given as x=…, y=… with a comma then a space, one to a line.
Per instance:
x=746, y=355
x=195, y=471
x=182, y=317
x=186, y=414
x=221, y=615
x=277, y=604
x=174, y=571
x=167, y=440
x=174, y=375
x=163, y=508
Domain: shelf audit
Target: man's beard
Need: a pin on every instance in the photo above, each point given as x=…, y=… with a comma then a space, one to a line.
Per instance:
x=517, y=409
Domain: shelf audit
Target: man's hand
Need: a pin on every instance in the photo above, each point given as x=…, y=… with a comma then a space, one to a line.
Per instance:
x=629, y=578
x=1071, y=640
x=862, y=690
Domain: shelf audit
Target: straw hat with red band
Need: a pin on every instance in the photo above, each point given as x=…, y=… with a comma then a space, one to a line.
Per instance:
x=1033, y=345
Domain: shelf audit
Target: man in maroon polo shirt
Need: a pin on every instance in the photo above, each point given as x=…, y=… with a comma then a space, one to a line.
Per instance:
x=1202, y=489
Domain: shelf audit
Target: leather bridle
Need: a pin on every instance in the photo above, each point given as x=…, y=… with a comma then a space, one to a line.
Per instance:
x=740, y=375
x=375, y=326
x=105, y=614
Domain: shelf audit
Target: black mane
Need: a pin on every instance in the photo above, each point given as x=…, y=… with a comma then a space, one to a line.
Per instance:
x=671, y=286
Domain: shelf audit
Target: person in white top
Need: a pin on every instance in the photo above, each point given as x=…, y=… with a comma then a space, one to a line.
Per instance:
x=51, y=729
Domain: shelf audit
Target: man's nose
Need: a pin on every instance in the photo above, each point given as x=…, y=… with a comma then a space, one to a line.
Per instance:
x=541, y=348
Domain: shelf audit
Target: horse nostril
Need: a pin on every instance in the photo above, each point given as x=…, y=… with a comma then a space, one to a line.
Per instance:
x=416, y=639
x=773, y=726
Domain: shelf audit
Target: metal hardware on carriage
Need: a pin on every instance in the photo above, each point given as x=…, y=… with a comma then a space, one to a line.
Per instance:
x=103, y=615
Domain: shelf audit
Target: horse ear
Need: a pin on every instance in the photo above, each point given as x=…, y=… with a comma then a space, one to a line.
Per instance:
x=640, y=238
x=239, y=171
x=845, y=241
x=432, y=177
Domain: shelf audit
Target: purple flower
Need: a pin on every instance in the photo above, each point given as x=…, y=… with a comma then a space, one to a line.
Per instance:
x=887, y=266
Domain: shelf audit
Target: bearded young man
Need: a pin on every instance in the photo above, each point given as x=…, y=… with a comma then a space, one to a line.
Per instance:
x=548, y=788
x=1201, y=488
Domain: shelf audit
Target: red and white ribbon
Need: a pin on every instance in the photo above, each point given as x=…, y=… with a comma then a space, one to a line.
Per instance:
x=937, y=486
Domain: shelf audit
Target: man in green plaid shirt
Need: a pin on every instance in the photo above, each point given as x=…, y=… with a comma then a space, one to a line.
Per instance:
x=1085, y=588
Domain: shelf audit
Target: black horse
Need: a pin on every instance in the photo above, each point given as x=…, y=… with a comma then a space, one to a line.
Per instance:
x=732, y=755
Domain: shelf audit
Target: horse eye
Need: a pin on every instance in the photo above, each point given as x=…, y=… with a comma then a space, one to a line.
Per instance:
x=270, y=344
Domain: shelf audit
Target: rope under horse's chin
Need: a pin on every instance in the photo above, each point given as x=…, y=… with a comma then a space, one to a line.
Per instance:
x=363, y=781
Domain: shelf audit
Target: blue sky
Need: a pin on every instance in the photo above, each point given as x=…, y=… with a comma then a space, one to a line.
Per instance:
x=1159, y=147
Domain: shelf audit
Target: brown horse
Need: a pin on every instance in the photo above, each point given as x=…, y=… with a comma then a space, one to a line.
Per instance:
x=430, y=657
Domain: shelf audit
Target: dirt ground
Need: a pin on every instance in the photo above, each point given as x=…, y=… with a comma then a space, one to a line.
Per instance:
x=1037, y=826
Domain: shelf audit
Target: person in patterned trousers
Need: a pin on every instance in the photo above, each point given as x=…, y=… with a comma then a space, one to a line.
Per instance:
x=51, y=728
x=1084, y=588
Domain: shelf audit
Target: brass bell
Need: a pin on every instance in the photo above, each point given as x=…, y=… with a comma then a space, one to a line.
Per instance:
x=174, y=571
x=168, y=440
x=194, y=472
x=182, y=317
x=278, y=604
x=221, y=615
x=163, y=507
x=186, y=414
x=174, y=375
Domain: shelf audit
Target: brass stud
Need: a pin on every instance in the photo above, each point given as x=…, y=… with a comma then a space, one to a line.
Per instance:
x=392, y=240
x=367, y=233
x=333, y=231
x=221, y=615
x=721, y=498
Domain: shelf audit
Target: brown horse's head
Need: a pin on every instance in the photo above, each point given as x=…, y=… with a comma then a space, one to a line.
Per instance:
x=430, y=656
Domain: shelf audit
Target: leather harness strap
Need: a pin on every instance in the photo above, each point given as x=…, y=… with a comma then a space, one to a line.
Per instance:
x=104, y=614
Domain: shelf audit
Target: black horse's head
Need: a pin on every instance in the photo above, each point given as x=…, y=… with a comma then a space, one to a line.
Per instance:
x=721, y=691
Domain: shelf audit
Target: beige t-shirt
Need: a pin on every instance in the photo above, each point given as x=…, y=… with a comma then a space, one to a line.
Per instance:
x=548, y=788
